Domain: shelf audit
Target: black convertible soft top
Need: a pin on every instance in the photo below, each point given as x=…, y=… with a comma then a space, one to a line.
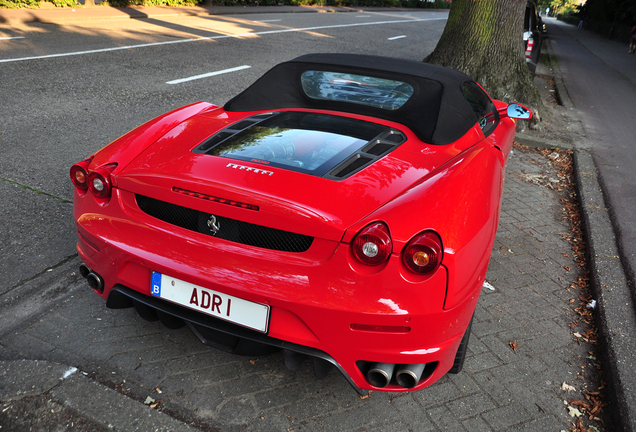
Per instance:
x=437, y=112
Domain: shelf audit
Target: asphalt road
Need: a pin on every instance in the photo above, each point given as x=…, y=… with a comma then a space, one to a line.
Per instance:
x=69, y=90
x=601, y=81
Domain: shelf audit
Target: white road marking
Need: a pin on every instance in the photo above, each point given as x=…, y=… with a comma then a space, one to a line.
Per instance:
x=12, y=37
x=236, y=36
x=205, y=75
x=396, y=37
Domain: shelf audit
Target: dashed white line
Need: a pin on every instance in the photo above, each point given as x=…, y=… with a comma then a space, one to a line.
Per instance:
x=396, y=37
x=236, y=36
x=205, y=75
x=12, y=37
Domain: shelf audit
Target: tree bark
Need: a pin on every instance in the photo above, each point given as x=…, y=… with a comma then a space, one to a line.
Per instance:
x=484, y=39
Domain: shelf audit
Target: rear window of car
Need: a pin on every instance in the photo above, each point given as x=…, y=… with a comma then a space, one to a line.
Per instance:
x=364, y=90
x=312, y=143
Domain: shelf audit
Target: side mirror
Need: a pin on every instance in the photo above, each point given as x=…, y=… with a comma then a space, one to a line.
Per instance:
x=517, y=111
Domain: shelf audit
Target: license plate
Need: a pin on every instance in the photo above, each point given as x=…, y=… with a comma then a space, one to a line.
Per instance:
x=242, y=312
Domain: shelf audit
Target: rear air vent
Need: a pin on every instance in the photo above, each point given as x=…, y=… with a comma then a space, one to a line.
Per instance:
x=224, y=228
x=378, y=147
x=231, y=131
x=353, y=164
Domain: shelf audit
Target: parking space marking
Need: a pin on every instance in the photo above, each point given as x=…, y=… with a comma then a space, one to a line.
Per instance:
x=205, y=75
x=396, y=37
x=235, y=36
x=12, y=37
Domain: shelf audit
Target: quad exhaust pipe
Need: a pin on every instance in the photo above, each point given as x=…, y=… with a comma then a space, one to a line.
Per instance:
x=407, y=376
x=94, y=280
x=380, y=374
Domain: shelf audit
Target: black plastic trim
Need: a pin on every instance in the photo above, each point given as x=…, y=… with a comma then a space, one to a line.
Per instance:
x=120, y=293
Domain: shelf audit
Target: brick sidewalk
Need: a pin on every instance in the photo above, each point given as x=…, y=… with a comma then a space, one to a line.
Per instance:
x=499, y=389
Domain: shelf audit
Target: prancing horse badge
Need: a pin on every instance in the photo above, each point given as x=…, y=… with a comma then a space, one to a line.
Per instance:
x=214, y=225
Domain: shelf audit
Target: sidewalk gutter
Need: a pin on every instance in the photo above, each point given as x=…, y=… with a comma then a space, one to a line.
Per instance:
x=616, y=312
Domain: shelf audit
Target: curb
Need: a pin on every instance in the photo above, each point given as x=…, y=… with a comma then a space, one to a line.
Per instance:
x=617, y=321
x=616, y=312
x=64, y=385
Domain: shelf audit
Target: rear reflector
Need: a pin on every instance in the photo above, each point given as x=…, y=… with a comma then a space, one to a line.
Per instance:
x=380, y=328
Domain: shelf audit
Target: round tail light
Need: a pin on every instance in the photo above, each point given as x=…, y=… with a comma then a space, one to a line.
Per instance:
x=372, y=246
x=423, y=254
x=79, y=174
x=99, y=181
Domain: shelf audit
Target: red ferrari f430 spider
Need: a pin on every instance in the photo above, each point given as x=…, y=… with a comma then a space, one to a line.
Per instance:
x=342, y=208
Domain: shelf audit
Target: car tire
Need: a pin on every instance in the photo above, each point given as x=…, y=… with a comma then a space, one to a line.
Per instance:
x=460, y=357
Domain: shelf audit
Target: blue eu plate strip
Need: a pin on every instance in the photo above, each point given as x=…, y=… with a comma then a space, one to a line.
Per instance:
x=155, y=289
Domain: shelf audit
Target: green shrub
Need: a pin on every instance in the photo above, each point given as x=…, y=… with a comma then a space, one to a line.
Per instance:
x=569, y=17
x=64, y=3
x=9, y=4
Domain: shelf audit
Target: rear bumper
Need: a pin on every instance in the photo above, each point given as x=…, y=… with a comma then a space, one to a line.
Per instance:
x=314, y=297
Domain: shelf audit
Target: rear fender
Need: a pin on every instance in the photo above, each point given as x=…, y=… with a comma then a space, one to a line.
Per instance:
x=460, y=201
x=127, y=147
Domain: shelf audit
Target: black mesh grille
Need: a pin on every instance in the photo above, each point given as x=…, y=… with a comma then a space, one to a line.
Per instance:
x=229, y=229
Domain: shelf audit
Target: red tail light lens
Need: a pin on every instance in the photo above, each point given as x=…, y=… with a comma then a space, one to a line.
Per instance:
x=99, y=181
x=529, y=48
x=79, y=174
x=372, y=246
x=423, y=254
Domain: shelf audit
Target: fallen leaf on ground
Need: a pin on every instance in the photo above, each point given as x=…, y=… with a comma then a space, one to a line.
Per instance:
x=513, y=345
x=567, y=388
x=366, y=396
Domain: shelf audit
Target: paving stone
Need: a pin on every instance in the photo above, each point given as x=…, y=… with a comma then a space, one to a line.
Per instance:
x=412, y=412
x=476, y=424
x=278, y=396
x=470, y=406
x=495, y=388
x=444, y=419
x=505, y=417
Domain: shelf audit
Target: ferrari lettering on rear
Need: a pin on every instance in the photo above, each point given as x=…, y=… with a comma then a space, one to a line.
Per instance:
x=249, y=169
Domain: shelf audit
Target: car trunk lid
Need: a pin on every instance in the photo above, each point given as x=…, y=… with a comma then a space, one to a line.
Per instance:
x=273, y=195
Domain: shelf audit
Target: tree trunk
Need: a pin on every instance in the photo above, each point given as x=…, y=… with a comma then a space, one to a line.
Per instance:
x=484, y=39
